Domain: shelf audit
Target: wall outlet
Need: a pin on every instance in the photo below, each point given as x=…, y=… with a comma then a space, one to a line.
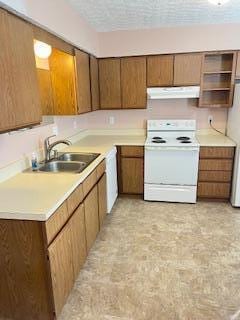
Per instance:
x=111, y=120
x=75, y=124
x=210, y=118
x=55, y=130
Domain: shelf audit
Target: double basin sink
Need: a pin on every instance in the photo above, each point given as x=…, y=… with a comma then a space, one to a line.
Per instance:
x=69, y=162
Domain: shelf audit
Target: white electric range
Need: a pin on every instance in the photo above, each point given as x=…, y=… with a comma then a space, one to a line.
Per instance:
x=171, y=161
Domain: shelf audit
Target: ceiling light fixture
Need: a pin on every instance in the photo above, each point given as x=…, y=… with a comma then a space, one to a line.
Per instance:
x=42, y=49
x=218, y=2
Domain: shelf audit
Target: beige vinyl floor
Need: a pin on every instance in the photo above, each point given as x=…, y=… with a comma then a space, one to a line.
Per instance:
x=161, y=261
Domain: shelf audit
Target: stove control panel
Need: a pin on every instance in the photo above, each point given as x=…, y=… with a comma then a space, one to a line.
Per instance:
x=171, y=125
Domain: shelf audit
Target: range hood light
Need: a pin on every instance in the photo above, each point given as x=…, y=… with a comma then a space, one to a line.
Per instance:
x=42, y=49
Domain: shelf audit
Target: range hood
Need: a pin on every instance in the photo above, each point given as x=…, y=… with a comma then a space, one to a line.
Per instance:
x=173, y=92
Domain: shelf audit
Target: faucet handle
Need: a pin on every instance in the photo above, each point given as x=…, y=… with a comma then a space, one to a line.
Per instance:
x=48, y=138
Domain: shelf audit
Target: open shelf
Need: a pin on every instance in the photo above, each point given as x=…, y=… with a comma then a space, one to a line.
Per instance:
x=217, y=72
x=216, y=89
x=216, y=81
x=220, y=98
x=219, y=62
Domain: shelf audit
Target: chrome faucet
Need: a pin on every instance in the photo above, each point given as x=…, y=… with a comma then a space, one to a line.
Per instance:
x=49, y=146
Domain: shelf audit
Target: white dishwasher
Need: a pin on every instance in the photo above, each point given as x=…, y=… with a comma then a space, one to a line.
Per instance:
x=111, y=172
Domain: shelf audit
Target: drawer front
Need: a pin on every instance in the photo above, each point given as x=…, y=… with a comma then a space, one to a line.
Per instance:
x=214, y=190
x=101, y=168
x=215, y=165
x=132, y=151
x=217, y=152
x=75, y=199
x=55, y=223
x=215, y=176
x=89, y=182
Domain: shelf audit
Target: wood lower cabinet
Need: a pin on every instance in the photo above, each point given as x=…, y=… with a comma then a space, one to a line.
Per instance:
x=61, y=266
x=187, y=69
x=39, y=261
x=215, y=172
x=160, y=70
x=91, y=217
x=134, y=82
x=130, y=169
x=19, y=99
x=102, y=199
x=83, y=87
x=110, y=83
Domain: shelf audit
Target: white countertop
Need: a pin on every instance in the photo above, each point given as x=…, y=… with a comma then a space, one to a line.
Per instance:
x=36, y=196
x=211, y=138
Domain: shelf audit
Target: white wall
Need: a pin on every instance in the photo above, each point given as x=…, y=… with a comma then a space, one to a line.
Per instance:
x=169, y=40
x=57, y=16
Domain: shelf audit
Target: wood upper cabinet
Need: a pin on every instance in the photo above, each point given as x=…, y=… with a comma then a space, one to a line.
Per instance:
x=62, y=69
x=94, y=75
x=187, y=69
x=102, y=199
x=46, y=94
x=134, y=82
x=160, y=70
x=19, y=98
x=109, y=83
x=83, y=86
x=91, y=217
x=238, y=66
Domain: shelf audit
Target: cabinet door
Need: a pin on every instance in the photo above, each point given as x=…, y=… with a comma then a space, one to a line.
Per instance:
x=132, y=175
x=94, y=83
x=187, y=69
x=78, y=235
x=45, y=88
x=134, y=82
x=61, y=266
x=109, y=83
x=102, y=199
x=238, y=66
x=83, y=81
x=19, y=98
x=160, y=70
x=91, y=217
x=63, y=83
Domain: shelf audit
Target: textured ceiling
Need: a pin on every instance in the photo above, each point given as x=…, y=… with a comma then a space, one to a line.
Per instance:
x=111, y=15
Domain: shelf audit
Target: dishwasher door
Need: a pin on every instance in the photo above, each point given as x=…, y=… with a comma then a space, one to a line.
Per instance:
x=112, y=185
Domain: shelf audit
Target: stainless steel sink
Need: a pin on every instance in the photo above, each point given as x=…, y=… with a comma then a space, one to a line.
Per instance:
x=63, y=166
x=82, y=157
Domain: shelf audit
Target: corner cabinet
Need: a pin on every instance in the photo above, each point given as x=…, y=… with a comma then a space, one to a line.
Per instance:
x=19, y=99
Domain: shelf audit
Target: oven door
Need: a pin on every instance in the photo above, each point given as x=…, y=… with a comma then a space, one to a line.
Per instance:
x=171, y=165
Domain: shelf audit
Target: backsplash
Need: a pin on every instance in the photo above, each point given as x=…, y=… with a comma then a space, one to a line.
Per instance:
x=19, y=145
x=158, y=109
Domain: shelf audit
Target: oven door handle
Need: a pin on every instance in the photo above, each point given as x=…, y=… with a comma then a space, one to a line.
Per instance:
x=171, y=149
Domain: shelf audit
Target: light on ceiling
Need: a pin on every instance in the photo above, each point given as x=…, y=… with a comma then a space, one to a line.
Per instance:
x=42, y=49
x=218, y=2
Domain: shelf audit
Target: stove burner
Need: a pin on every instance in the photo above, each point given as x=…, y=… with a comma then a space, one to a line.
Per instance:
x=157, y=138
x=186, y=141
x=183, y=138
x=159, y=141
